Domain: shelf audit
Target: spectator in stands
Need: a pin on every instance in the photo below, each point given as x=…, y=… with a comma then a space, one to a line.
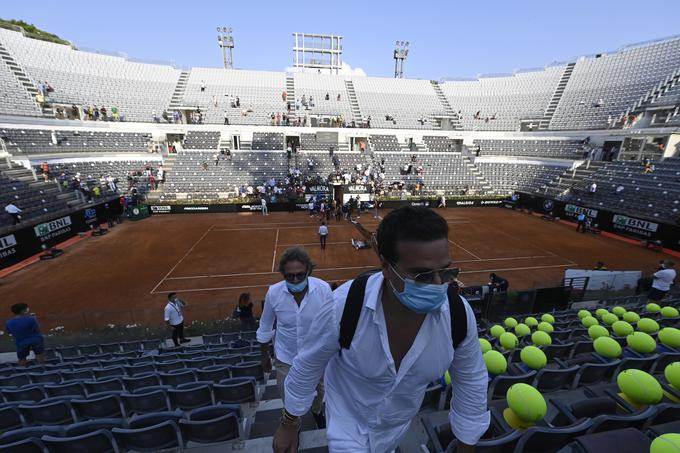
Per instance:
x=115, y=114
x=238, y=104
x=663, y=279
x=592, y=189
x=498, y=283
x=26, y=332
x=600, y=266
x=323, y=235
x=155, y=117
x=244, y=313
x=174, y=318
x=581, y=223
x=14, y=212
x=327, y=97
x=338, y=97
x=372, y=394
x=284, y=95
x=202, y=86
x=294, y=304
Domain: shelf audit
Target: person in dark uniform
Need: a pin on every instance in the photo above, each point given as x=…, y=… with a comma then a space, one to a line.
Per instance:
x=498, y=283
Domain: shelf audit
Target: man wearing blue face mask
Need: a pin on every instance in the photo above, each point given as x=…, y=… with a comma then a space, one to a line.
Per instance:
x=293, y=303
x=402, y=338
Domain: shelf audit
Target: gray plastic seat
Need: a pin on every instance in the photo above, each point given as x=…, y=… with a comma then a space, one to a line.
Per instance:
x=145, y=402
x=99, y=441
x=108, y=406
x=164, y=435
x=235, y=390
x=55, y=413
x=191, y=396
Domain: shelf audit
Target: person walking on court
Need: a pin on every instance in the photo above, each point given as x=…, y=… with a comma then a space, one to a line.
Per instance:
x=174, y=318
x=294, y=304
x=263, y=200
x=323, y=235
x=581, y=223
x=385, y=338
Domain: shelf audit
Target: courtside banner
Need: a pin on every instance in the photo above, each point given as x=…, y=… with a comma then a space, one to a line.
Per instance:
x=613, y=222
x=30, y=240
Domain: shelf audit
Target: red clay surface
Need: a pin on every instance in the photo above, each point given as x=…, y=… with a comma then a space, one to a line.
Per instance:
x=209, y=259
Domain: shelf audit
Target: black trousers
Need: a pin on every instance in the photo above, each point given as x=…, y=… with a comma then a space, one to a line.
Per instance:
x=15, y=217
x=322, y=240
x=178, y=333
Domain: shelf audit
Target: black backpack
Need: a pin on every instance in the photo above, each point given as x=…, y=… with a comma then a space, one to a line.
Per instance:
x=355, y=302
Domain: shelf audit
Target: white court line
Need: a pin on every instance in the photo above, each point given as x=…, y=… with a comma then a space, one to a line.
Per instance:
x=317, y=270
x=278, y=228
x=276, y=243
x=315, y=243
x=181, y=259
x=465, y=250
x=224, y=288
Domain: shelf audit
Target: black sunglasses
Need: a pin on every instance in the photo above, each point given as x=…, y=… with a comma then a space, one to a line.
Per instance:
x=295, y=277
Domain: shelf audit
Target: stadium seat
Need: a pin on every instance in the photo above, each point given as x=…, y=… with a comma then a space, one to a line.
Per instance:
x=219, y=429
x=104, y=385
x=214, y=373
x=609, y=422
x=153, y=418
x=542, y=439
x=10, y=419
x=235, y=390
x=35, y=432
x=190, y=396
x=177, y=377
x=245, y=369
x=166, y=367
x=164, y=435
x=30, y=445
x=109, y=371
x=548, y=380
x=53, y=377
x=138, y=370
x=231, y=359
x=594, y=372
x=499, y=386
x=28, y=393
x=100, y=407
x=100, y=441
x=88, y=426
x=56, y=413
x=627, y=440
x=140, y=381
x=664, y=428
x=73, y=389
x=145, y=402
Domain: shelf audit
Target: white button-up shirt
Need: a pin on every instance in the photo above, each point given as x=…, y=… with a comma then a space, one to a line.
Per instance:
x=293, y=322
x=173, y=313
x=369, y=404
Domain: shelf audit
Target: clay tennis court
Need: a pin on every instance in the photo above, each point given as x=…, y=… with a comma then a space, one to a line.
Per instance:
x=125, y=276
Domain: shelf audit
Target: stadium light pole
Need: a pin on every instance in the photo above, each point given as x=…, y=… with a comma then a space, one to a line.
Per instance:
x=400, y=54
x=226, y=41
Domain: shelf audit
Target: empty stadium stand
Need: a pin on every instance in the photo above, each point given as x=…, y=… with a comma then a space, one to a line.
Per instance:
x=44, y=141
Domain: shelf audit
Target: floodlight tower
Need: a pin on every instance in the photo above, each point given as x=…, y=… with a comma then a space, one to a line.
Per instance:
x=226, y=41
x=400, y=54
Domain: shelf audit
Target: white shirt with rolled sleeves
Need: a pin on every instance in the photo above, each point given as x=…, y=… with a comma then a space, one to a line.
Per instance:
x=663, y=279
x=293, y=322
x=369, y=405
x=173, y=313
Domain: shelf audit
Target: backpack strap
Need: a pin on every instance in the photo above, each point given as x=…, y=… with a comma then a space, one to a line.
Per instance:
x=355, y=302
x=350, y=314
x=458, y=316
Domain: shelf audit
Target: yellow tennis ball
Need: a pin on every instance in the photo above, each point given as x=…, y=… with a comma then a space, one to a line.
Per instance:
x=589, y=321
x=653, y=308
x=669, y=312
x=641, y=342
x=533, y=357
x=530, y=321
x=607, y=347
x=647, y=325
x=508, y=340
x=540, y=338
x=670, y=336
x=510, y=322
x=583, y=314
x=600, y=312
x=610, y=318
x=547, y=317
x=622, y=328
x=597, y=332
x=666, y=443
x=526, y=402
x=631, y=317
x=639, y=387
x=672, y=374
x=496, y=331
x=485, y=345
x=545, y=327
x=447, y=378
x=522, y=330
x=618, y=311
x=495, y=362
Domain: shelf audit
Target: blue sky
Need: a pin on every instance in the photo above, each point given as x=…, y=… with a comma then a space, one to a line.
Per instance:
x=452, y=39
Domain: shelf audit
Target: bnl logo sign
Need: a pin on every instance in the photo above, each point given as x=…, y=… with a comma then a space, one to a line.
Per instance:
x=46, y=228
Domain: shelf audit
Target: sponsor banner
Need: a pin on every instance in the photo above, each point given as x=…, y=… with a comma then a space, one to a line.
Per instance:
x=8, y=246
x=633, y=225
x=356, y=188
x=622, y=224
x=159, y=209
x=572, y=210
x=53, y=229
x=195, y=208
x=317, y=188
x=30, y=240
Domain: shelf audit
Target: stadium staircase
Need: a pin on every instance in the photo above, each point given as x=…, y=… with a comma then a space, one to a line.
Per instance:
x=447, y=109
x=23, y=79
x=557, y=95
x=573, y=179
x=168, y=164
x=180, y=88
x=352, y=96
x=655, y=93
x=475, y=171
x=290, y=89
